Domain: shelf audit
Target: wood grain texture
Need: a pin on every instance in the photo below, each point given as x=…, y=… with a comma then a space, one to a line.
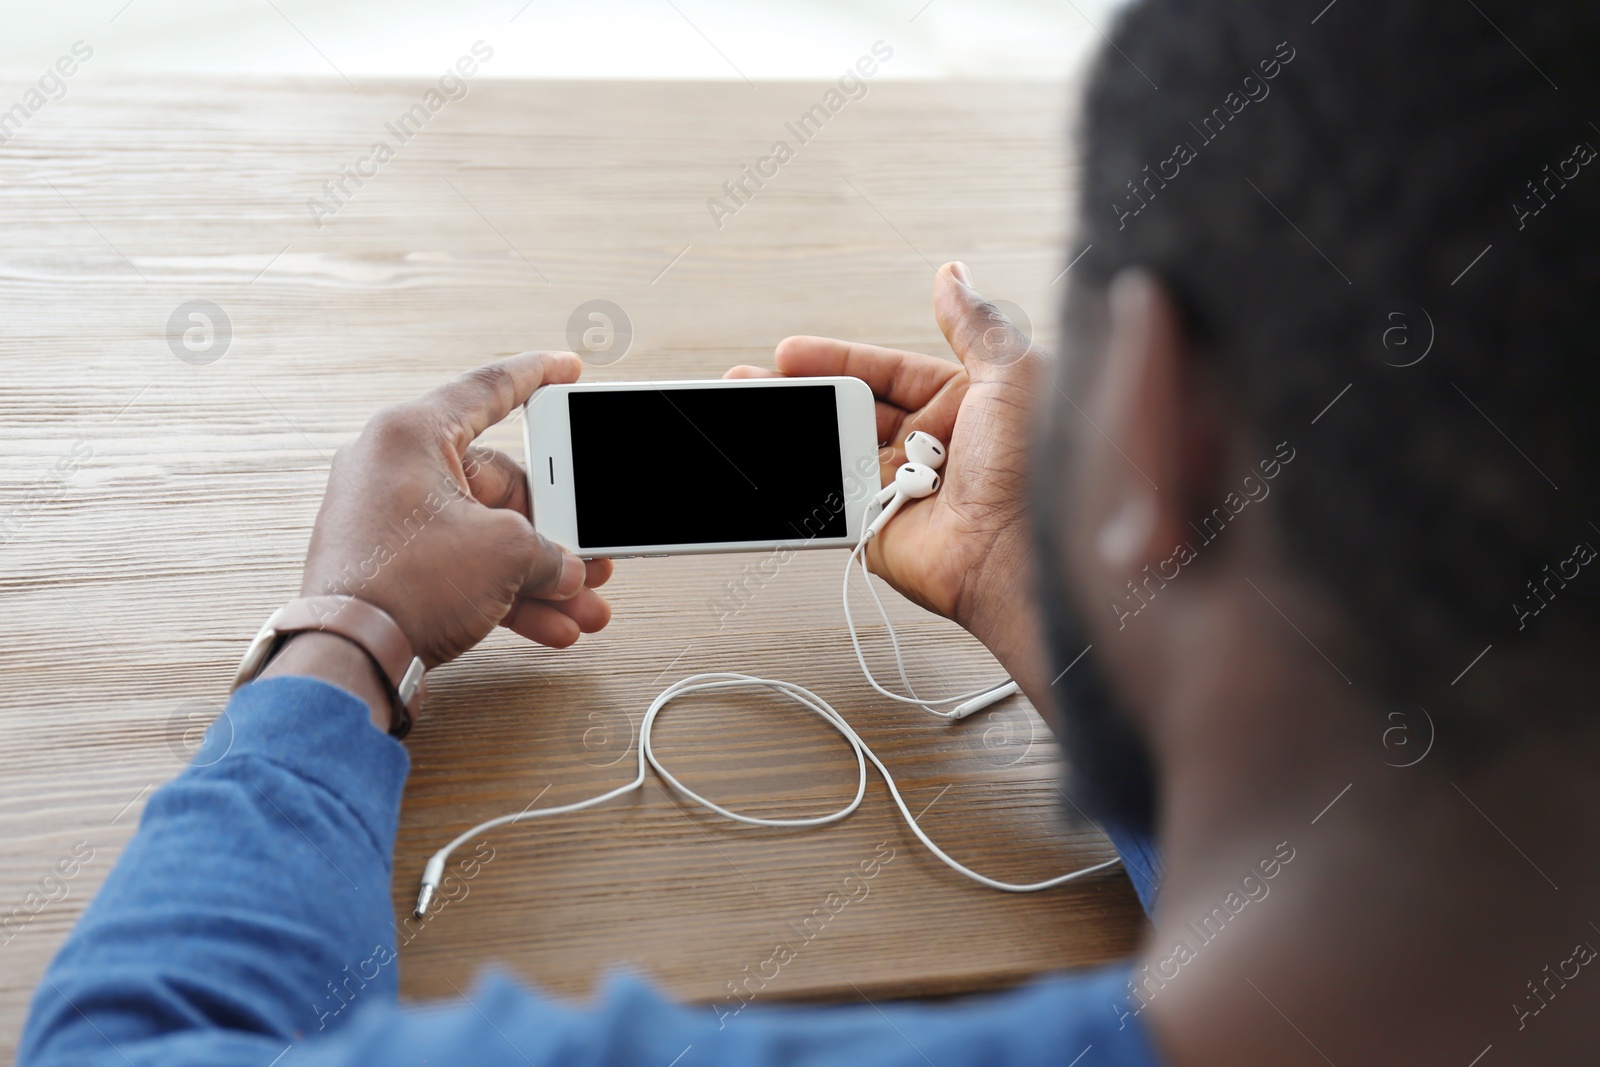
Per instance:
x=132, y=575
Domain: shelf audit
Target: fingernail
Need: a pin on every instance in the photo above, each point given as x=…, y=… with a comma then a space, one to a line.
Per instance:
x=572, y=576
x=959, y=269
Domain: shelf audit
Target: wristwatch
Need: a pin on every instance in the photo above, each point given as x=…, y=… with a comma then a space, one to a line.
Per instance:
x=368, y=626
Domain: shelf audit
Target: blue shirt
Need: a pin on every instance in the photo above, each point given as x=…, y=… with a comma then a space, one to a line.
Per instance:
x=252, y=909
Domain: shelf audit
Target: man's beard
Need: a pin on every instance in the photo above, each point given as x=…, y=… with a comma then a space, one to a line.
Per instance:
x=1110, y=771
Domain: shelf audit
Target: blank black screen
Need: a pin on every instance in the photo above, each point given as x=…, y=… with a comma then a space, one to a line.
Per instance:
x=680, y=466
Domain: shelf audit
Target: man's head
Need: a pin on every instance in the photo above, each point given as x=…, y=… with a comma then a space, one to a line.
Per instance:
x=1335, y=330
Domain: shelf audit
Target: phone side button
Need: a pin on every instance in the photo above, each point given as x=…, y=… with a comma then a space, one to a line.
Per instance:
x=654, y=555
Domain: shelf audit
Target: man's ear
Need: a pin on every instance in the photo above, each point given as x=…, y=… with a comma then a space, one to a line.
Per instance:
x=1156, y=449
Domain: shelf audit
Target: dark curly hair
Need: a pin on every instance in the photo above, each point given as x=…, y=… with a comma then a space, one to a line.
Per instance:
x=1328, y=189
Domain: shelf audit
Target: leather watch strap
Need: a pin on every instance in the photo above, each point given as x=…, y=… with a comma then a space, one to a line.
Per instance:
x=368, y=626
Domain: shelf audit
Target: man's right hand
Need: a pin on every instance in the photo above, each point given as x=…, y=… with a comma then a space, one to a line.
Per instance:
x=964, y=551
x=437, y=530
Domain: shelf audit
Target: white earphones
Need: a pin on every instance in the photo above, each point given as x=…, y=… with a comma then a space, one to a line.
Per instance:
x=915, y=479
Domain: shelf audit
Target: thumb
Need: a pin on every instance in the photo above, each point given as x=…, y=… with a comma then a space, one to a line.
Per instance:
x=986, y=342
x=550, y=572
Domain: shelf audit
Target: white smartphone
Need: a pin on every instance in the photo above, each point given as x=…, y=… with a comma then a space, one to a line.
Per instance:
x=672, y=468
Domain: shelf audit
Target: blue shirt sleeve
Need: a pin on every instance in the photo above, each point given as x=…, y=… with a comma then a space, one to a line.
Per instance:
x=1140, y=859
x=256, y=894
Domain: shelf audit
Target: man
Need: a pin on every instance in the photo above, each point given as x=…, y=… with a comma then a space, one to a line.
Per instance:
x=1313, y=499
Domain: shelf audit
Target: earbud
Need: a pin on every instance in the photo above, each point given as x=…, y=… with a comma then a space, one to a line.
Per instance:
x=915, y=481
x=924, y=448
x=912, y=481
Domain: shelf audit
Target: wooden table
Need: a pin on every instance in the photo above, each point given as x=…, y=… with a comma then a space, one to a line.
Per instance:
x=155, y=510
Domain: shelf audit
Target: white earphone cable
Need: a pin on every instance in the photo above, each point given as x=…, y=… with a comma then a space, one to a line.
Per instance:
x=894, y=641
x=433, y=871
